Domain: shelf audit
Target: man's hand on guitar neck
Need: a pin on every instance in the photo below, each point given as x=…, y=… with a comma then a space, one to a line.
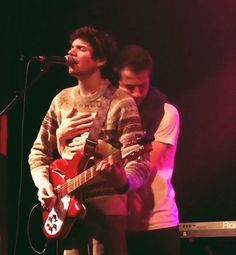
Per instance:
x=115, y=175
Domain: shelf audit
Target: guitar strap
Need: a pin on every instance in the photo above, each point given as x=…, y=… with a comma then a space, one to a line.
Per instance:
x=92, y=140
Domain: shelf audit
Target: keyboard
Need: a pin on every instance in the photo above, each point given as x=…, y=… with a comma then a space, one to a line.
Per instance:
x=208, y=229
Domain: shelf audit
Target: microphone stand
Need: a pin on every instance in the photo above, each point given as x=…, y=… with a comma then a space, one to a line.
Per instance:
x=9, y=105
x=20, y=95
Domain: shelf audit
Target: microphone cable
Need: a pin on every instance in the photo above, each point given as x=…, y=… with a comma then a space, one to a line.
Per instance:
x=21, y=162
x=22, y=96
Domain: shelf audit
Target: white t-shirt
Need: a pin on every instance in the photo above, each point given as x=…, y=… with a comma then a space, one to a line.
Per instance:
x=153, y=206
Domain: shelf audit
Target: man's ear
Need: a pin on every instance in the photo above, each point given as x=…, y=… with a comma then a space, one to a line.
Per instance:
x=101, y=62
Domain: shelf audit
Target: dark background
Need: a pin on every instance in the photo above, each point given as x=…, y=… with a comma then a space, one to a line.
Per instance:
x=193, y=47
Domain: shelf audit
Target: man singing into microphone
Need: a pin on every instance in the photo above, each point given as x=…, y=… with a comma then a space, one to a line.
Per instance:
x=65, y=129
x=67, y=60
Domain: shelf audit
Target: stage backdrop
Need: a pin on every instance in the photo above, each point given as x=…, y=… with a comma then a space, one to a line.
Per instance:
x=192, y=44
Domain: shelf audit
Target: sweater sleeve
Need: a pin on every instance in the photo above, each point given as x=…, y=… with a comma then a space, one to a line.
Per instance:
x=130, y=130
x=44, y=147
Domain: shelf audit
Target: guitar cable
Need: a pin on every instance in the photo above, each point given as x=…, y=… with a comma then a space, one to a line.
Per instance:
x=28, y=233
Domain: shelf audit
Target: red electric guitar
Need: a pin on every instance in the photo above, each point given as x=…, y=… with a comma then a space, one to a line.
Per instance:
x=66, y=177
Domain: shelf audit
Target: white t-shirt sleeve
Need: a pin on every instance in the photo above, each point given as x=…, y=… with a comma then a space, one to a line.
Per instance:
x=168, y=130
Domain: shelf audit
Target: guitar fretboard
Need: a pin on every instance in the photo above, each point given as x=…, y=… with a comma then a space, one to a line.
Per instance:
x=77, y=181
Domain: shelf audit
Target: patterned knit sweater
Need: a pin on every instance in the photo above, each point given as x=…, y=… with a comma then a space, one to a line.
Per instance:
x=121, y=127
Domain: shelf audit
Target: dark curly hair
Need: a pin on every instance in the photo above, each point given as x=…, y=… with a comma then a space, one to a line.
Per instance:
x=103, y=44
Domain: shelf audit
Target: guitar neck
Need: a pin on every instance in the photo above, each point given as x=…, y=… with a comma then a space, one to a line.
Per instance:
x=79, y=180
x=72, y=184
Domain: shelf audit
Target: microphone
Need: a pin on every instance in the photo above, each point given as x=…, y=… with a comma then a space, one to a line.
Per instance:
x=66, y=60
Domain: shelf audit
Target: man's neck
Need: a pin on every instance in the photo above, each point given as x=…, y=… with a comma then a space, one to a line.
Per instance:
x=91, y=84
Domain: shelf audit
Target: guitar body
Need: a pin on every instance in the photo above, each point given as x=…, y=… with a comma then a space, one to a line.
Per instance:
x=57, y=222
x=66, y=176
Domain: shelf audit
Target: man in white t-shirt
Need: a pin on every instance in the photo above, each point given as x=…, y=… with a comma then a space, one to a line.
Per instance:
x=153, y=220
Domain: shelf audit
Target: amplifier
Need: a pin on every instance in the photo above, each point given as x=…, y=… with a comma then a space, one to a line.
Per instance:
x=208, y=229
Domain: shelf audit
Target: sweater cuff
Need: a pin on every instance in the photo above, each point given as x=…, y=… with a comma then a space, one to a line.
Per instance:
x=40, y=177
